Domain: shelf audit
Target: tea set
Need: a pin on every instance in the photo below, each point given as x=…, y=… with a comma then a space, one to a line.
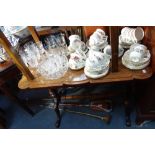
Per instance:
x=97, y=60
x=130, y=36
x=77, y=51
x=77, y=60
x=137, y=57
x=94, y=62
x=97, y=65
x=75, y=44
x=98, y=40
x=94, y=56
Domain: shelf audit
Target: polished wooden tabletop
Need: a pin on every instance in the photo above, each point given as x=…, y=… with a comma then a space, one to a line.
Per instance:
x=73, y=78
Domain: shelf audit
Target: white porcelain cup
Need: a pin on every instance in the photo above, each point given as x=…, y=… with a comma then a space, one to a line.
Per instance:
x=139, y=48
x=100, y=31
x=74, y=37
x=135, y=56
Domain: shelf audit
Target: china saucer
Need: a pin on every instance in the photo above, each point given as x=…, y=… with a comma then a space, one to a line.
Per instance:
x=95, y=76
x=75, y=66
x=126, y=58
x=99, y=47
x=133, y=67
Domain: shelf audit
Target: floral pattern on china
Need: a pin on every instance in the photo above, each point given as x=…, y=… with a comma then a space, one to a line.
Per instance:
x=76, y=43
x=137, y=57
x=98, y=40
x=130, y=36
x=97, y=65
x=77, y=60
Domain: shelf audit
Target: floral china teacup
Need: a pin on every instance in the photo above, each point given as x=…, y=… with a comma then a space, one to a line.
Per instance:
x=97, y=38
x=77, y=60
x=139, y=48
x=98, y=59
x=74, y=37
x=135, y=56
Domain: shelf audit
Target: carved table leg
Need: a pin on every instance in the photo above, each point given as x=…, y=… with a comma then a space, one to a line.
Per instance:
x=57, y=99
x=129, y=97
x=127, y=114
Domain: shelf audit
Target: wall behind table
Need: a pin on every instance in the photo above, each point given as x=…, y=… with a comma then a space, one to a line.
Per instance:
x=149, y=41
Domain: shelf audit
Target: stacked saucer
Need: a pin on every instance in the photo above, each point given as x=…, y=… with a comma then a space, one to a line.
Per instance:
x=130, y=36
x=137, y=57
x=75, y=44
x=98, y=40
x=77, y=60
x=107, y=50
x=97, y=65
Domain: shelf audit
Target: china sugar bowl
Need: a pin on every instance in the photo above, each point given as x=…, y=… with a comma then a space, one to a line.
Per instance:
x=97, y=65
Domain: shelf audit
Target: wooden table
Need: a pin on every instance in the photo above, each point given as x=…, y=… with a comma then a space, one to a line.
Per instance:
x=78, y=78
x=118, y=72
